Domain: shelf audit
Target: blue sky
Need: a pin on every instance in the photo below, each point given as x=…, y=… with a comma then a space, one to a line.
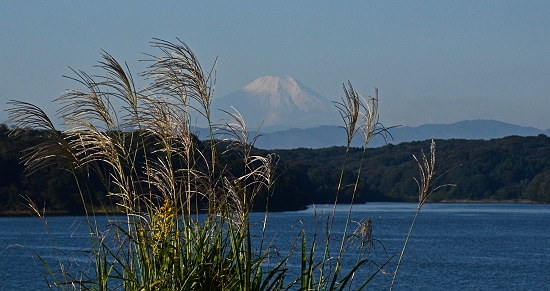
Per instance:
x=433, y=61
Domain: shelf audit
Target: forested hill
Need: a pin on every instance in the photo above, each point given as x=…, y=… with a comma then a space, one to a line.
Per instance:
x=506, y=169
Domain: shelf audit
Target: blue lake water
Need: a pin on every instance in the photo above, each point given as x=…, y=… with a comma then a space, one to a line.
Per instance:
x=454, y=246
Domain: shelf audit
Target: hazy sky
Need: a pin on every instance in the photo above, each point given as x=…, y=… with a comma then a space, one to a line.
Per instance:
x=433, y=61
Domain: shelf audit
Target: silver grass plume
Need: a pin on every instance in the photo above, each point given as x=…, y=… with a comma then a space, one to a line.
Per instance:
x=178, y=74
x=258, y=172
x=363, y=233
x=54, y=150
x=427, y=171
x=349, y=109
x=235, y=132
x=370, y=125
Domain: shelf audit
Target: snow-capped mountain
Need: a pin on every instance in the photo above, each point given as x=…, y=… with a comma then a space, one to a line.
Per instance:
x=278, y=102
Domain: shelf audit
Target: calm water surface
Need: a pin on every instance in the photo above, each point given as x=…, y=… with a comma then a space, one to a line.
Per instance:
x=454, y=246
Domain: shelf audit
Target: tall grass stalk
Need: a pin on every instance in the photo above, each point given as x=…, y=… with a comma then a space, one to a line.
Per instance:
x=140, y=144
x=184, y=221
x=359, y=114
x=427, y=169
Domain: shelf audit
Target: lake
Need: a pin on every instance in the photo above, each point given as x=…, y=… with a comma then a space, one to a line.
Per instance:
x=456, y=246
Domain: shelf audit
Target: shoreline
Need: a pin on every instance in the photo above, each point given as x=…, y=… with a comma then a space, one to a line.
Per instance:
x=486, y=201
x=29, y=213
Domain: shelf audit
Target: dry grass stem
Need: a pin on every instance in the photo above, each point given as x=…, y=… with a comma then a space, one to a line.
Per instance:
x=427, y=171
x=185, y=210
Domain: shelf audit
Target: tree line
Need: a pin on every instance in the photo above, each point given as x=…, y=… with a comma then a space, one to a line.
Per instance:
x=507, y=169
x=513, y=168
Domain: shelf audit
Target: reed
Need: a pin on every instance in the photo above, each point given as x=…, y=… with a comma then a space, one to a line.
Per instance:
x=185, y=216
x=426, y=186
x=359, y=114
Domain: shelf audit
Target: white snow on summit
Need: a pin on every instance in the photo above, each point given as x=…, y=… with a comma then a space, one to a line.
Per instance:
x=280, y=101
x=285, y=91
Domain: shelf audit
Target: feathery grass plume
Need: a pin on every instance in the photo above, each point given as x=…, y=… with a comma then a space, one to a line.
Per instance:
x=364, y=233
x=258, y=171
x=185, y=221
x=427, y=176
x=178, y=74
x=234, y=132
x=54, y=150
x=358, y=114
x=148, y=159
x=370, y=125
x=349, y=111
x=426, y=186
x=95, y=127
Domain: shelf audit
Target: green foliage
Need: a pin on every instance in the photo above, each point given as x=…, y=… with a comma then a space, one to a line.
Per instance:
x=539, y=188
x=498, y=169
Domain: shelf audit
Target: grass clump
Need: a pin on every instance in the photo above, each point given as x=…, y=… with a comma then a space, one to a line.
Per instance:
x=184, y=220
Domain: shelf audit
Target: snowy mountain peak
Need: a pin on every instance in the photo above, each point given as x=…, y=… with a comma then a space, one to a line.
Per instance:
x=280, y=101
x=273, y=85
x=285, y=91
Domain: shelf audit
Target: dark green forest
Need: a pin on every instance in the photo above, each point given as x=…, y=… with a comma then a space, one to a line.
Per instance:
x=506, y=169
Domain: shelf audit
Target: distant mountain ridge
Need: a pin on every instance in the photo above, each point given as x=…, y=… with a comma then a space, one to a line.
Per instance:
x=327, y=136
x=291, y=115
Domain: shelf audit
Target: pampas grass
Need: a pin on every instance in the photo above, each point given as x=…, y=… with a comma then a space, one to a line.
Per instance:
x=426, y=186
x=184, y=220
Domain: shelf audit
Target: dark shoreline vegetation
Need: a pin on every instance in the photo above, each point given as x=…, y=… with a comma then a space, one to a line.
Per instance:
x=510, y=169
